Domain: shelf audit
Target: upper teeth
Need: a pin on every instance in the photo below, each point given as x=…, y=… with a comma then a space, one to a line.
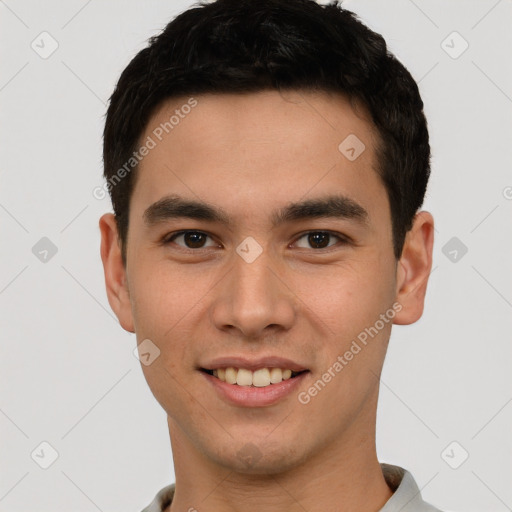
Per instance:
x=259, y=378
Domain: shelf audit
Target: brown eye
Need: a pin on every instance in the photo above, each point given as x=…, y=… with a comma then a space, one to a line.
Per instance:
x=190, y=239
x=317, y=240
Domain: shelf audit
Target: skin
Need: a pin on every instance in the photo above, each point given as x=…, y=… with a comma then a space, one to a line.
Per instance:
x=249, y=155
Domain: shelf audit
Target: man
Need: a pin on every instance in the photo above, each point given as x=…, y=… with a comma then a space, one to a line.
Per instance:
x=266, y=163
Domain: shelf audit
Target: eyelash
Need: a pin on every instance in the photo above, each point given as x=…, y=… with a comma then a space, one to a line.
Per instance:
x=172, y=236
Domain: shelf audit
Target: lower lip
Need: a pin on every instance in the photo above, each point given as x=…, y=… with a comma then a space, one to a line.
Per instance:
x=250, y=396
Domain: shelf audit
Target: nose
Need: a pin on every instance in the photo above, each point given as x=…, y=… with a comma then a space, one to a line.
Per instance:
x=254, y=300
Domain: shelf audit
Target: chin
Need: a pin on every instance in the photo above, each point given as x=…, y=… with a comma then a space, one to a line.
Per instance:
x=260, y=457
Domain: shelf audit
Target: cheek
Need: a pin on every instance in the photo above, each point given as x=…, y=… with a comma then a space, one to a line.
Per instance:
x=349, y=296
x=169, y=306
x=163, y=308
x=350, y=303
x=162, y=297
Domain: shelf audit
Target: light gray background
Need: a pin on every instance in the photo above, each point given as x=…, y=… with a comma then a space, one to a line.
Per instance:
x=68, y=375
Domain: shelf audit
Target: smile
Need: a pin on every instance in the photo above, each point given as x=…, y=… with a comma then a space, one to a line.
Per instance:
x=262, y=377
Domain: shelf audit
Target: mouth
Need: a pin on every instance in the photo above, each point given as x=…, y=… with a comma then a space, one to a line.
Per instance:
x=262, y=387
x=260, y=378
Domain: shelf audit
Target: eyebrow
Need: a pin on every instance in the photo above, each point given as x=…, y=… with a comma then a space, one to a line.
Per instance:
x=332, y=206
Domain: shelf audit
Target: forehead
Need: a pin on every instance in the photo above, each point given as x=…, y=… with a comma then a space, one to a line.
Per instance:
x=264, y=147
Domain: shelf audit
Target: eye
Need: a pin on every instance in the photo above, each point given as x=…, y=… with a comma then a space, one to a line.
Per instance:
x=318, y=240
x=190, y=239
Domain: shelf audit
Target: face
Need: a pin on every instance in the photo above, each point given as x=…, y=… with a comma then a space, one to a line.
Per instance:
x=288, y=255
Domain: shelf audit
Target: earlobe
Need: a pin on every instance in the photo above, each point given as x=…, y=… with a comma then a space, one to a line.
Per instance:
x=414, y=269
x=115, y=272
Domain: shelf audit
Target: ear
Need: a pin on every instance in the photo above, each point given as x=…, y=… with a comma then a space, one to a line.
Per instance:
x=115, y=272
x=414, y=268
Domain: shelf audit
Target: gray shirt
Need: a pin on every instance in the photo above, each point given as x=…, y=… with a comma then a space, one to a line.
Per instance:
x=406, y=495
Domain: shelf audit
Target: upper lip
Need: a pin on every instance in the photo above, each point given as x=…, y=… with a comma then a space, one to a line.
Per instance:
x=253, y=364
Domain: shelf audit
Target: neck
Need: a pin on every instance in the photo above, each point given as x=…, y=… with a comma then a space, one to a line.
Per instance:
x=344, y=476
